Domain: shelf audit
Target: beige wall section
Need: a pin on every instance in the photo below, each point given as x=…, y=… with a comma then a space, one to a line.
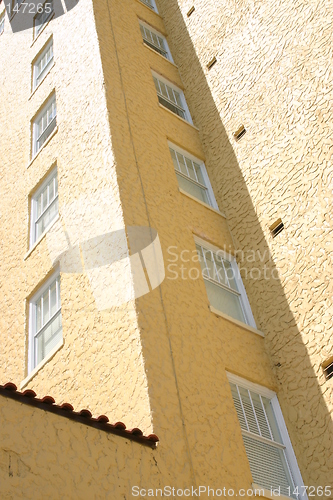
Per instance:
x=43, y=455
x=273, y=74
x=100, y=365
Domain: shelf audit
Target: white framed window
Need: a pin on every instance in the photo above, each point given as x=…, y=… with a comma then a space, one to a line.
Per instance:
x=44, y=207
x=42, y=17
x=151, y=4
x=44, y=124
x=2, y=23
x=272, y=460
x=171, y=97
x=45, y=328
x=42, y=64
x=192, y=175
x=155, y=40
x=223, y=282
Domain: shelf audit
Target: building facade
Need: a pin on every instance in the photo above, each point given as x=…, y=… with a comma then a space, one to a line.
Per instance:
x=128, y=207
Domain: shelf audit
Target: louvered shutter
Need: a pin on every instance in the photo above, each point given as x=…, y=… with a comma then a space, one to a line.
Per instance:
x=263, y=444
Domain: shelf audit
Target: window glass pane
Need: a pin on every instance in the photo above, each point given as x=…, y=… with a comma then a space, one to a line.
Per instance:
x=208, y=262
x=44, y=199
x=272, y=420
x=53, y=299
x=153, y=38
x=58, y=289
x=46, y=332
x=199, y=173
x=47, y=207
x=182, y=164
x=190, y=169
x=164, y=90
x=46, y=309
x=193, y=189
x=48, y=338
x=38, y=315
x=171, y=94
x=230, y=274
x=261, y=417
x=178, y=99
x=2, y=25
x=42, y=65
x=224, y=301
x=148, y=3
x=47, y=218
x=249, y=413
x=157, y=85
x=220, y=271
x=174, y=159
x=51, y=191
x=45, y=125
x=238, y=406
x=39, y=205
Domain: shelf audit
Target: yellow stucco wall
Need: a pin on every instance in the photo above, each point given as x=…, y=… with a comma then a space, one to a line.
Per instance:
x=43, y=455
x=272, y=75
x=101, y=363
x=159, y=362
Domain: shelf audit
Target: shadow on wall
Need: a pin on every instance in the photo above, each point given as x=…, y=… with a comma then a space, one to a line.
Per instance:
x=305, y=412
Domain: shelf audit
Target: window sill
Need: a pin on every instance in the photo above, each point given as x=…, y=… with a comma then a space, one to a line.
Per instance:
x=42, y=236
x=35, y=89
x=41, y=364
x=160, y=55
x=42, y=30
x=150, y=10
x=179, y=117
x=45, y=144
x=267, y=493
x=236, y=322
x=202, y=203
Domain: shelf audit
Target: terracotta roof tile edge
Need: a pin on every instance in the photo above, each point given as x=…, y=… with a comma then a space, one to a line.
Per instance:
x=66, y=410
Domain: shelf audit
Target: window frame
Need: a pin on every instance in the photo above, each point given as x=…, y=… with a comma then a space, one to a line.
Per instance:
x=244, y=301
x=286, y=443
x=38, y=59
x=34, y=124
x=202, y=166
x=151, y=45
x=55, y=277
x=2, y=23
x=152, y=7
x=174, y=87
x=53, y=174
x=47, y=19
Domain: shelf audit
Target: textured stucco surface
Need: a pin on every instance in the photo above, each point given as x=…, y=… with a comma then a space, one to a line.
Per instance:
x=274, y=75
x=159, y=362
x=100, y=364
x=46, y=456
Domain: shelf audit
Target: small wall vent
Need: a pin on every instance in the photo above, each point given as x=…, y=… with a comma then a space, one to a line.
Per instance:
x=327, y=367
x=190, y=12
x=211, y=63
x=276, y=228
x=239, y=133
